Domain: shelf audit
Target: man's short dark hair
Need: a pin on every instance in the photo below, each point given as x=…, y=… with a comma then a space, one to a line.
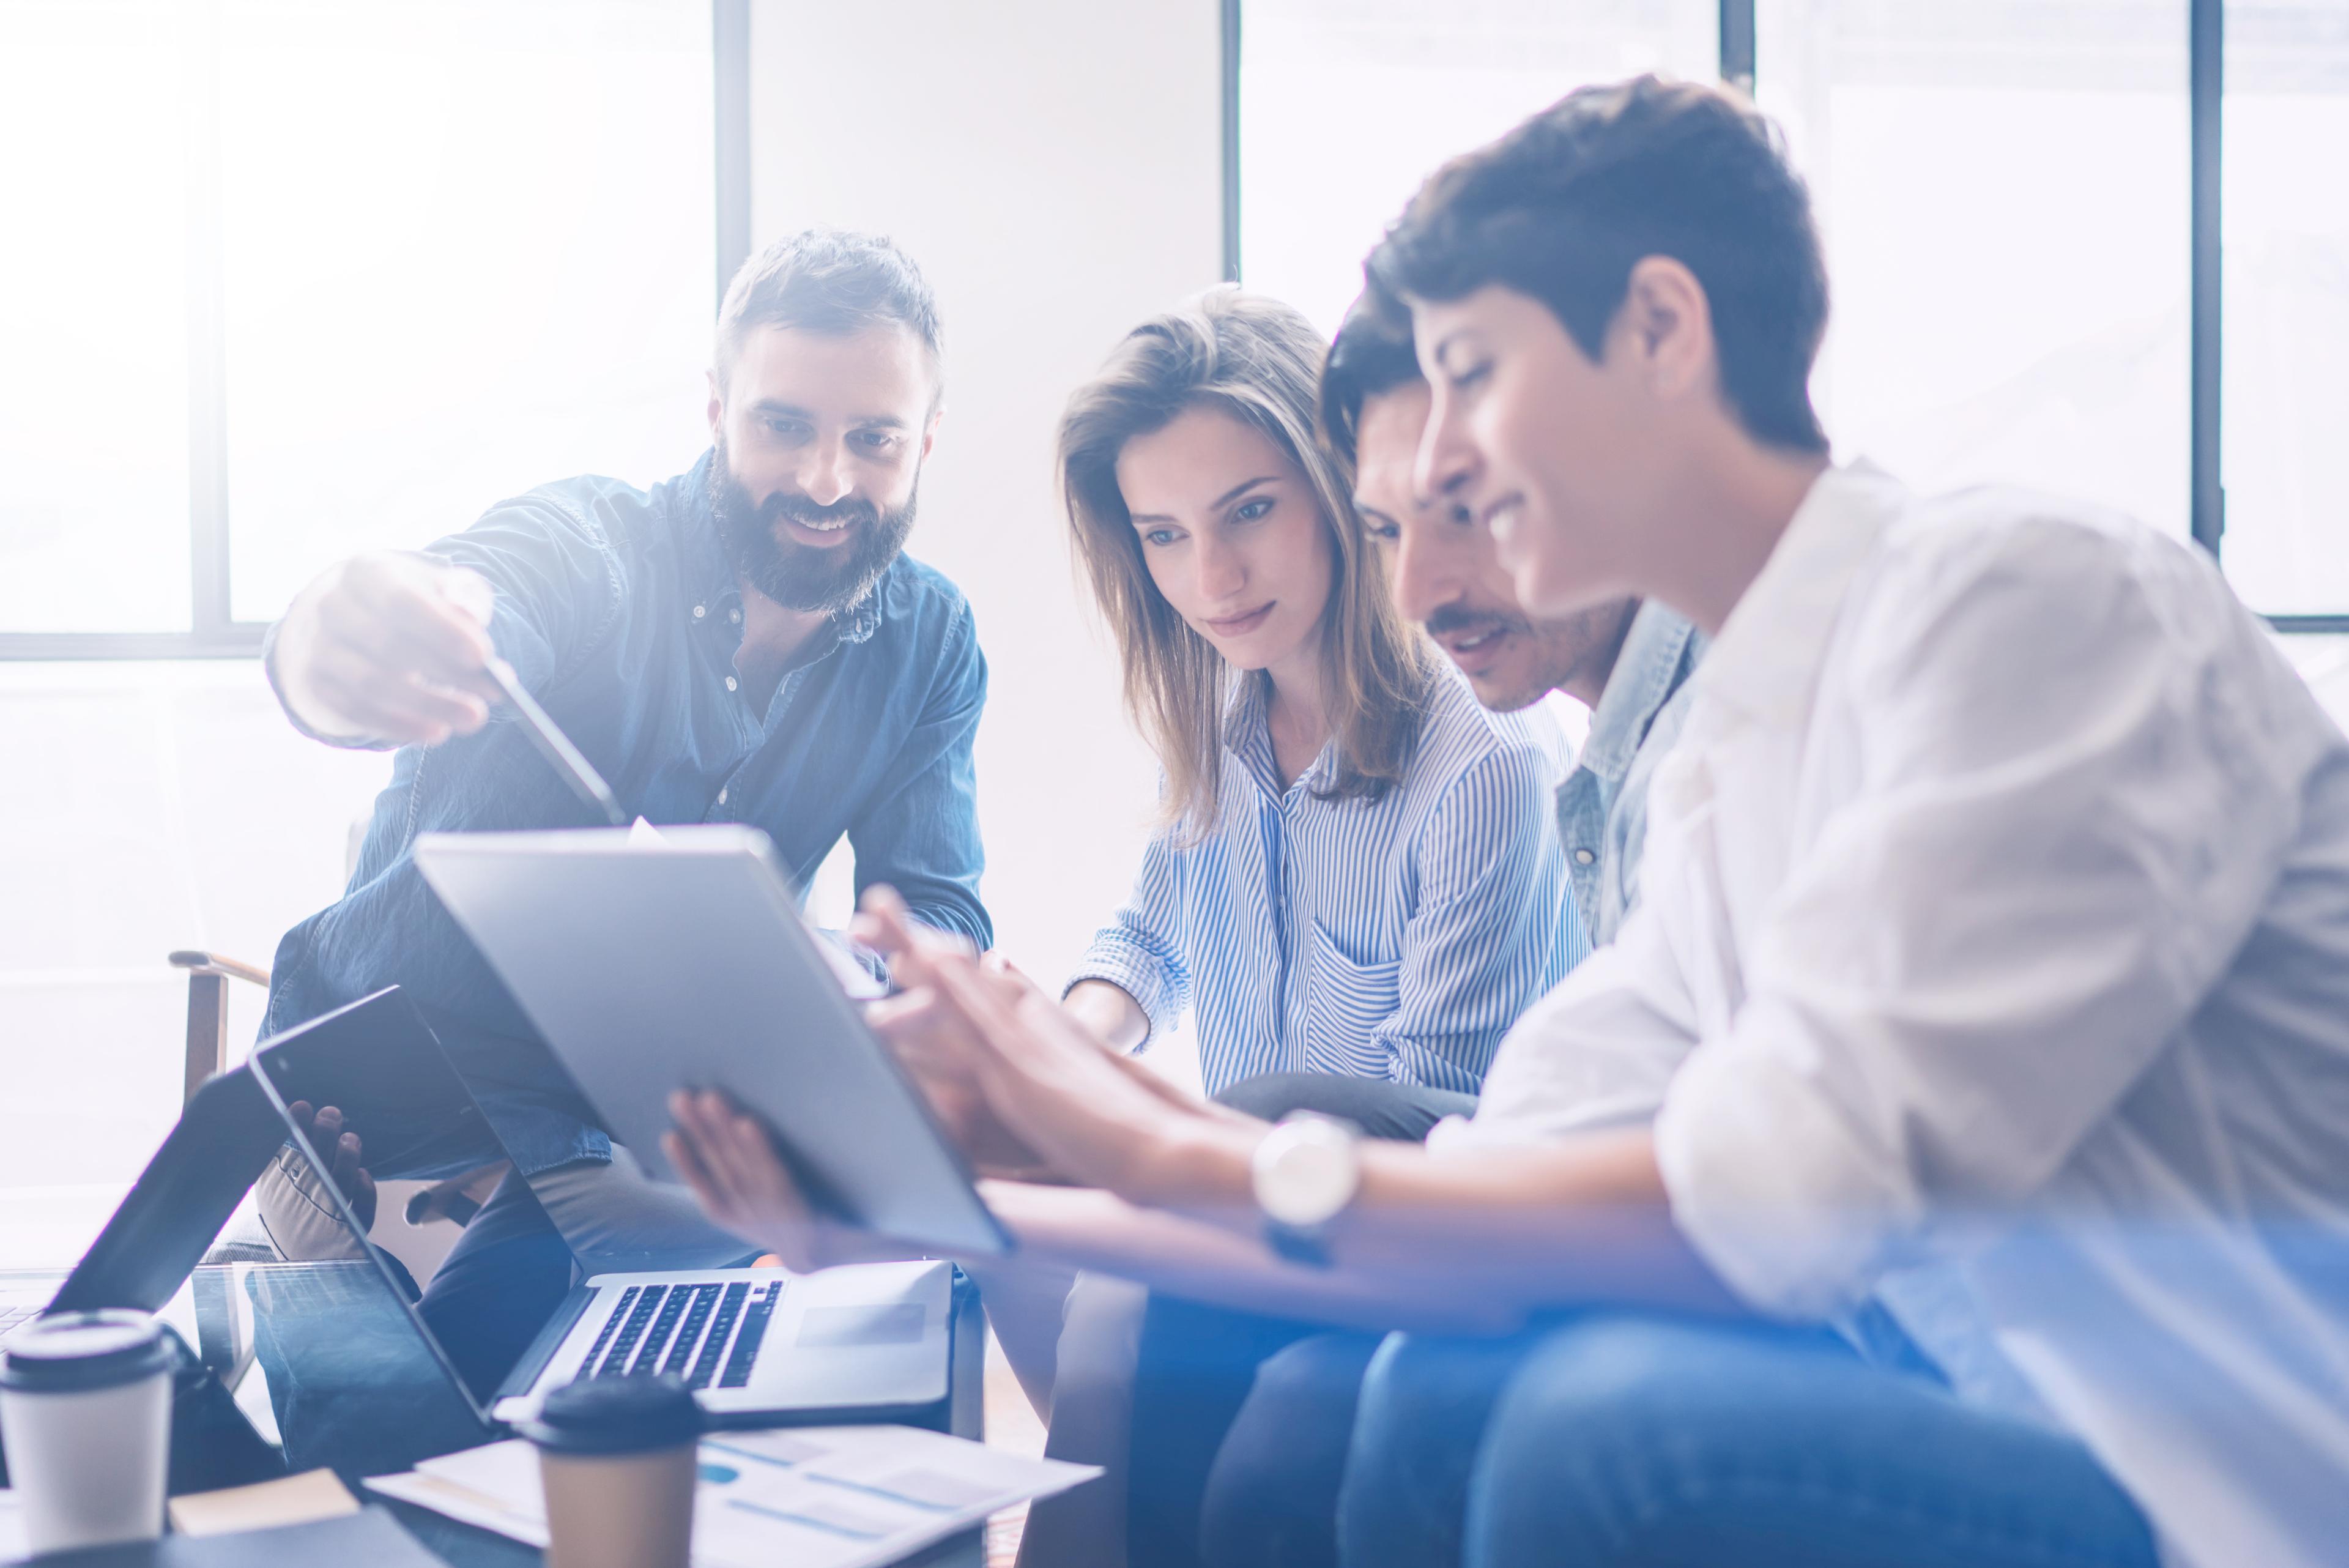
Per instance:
x=1372, y=354
x=1563, y=207
x=832, y=281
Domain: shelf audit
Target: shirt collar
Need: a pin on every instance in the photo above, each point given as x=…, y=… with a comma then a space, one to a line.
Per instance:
x=1652, y=665
x=1248, y=736
x=713, y=573
x=1766, y=659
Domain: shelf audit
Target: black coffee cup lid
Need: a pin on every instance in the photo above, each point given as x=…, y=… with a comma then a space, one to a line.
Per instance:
x=74, y=1352
x=616, y=1416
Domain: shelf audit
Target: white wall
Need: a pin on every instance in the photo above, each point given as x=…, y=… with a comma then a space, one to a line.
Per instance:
x=1053, y=167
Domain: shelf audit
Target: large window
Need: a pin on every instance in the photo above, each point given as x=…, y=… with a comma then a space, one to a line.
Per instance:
x=2285, y=233
x=292, y=278
x=1345, y=104
x=2029, y=207
x=2003, y=193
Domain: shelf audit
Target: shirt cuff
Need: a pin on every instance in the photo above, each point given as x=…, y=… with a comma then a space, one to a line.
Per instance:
x=1136, y=973
x=1768, y=1183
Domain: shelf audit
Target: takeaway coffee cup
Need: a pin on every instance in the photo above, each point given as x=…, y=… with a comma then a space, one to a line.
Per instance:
x=617, y=1458
x=85, y=1413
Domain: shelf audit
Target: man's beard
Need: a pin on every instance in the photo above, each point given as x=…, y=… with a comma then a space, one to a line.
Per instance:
x=821, y=579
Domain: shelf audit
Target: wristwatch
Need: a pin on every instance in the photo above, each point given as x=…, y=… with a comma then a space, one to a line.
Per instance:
x=1305, y=1172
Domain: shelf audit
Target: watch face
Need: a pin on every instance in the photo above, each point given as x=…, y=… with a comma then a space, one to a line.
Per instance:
x=1306, y=1172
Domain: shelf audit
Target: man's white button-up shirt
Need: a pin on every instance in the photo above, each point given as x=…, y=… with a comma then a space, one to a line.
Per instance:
x=1996, y=918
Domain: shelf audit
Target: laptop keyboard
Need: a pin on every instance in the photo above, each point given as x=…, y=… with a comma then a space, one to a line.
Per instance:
x=15, y=1317
x=703, y=1332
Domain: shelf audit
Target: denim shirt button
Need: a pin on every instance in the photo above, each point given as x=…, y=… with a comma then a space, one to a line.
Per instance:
x=721, y=797
x=733, y=614
x=1584, y=857
x=700, y=610
x=729, y=684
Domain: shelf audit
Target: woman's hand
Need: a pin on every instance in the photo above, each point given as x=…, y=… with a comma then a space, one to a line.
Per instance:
x=741, y=1184
x=1044, y=1076
x=908, y=1025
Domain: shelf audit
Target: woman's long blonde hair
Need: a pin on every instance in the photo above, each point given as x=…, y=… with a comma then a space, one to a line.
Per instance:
x=1259, y=361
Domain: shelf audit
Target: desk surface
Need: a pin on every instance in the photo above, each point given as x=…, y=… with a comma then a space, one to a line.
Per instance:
x=462, y=1546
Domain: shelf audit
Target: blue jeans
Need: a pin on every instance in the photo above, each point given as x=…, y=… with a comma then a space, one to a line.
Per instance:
x=1621, y=1439
x=1198, y=1367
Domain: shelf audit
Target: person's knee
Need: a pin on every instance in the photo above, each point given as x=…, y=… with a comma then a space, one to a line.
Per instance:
x=1269, y=1096
x=1422, y=1410
x=1382, y=1109
x=487, y=1303
x=1596, y=1435
x=1271, y=1495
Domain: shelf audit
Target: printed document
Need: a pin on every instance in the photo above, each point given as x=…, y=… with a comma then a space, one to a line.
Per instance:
x=815, y=1497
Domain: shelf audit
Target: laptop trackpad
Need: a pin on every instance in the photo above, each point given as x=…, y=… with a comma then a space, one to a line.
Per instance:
x=839, y=1327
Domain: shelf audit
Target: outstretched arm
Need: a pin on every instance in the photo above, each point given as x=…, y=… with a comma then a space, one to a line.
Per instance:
x=1472, y=1239
x=386, y=649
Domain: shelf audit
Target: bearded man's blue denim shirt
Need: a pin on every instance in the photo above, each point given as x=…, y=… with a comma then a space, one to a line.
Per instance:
x=620, y=611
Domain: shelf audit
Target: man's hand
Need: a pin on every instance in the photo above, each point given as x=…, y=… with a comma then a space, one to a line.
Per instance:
x=387, y=646
x=742, y=1184
x=342, y=1152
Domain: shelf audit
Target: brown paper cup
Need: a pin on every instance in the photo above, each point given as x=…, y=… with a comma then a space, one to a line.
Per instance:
x=619, y=1510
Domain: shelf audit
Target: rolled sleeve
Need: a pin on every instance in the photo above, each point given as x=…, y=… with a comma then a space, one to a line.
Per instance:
x=1783, y=1199
x=1140, y=950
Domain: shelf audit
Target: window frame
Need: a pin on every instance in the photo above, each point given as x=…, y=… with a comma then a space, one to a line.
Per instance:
x=2205, y=22
x=213, y=632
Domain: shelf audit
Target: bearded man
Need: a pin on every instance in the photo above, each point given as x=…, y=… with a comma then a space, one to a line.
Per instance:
x=745, y=642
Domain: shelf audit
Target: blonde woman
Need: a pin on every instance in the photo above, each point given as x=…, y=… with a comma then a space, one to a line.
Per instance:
x=1355, y=877
x=1355, y=887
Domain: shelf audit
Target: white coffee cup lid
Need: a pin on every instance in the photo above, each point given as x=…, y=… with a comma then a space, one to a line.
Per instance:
x=73, y=1352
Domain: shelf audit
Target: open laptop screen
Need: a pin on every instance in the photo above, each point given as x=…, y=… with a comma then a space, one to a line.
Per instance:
x=357, y=1379
x=178, y=1207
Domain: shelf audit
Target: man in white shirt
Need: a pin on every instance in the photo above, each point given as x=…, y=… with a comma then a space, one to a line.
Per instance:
x=1998, y=915
x=1992, y=965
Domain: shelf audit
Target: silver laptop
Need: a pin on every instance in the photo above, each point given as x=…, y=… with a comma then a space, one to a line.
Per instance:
x=753, y=1342
x=24, y=1296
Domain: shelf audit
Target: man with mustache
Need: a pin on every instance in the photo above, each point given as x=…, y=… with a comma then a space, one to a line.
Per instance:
x=744, y=642
x=1628, y=661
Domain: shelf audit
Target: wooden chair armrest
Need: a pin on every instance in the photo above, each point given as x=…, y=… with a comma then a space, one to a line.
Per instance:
x=198, y=963
x=207, y=1042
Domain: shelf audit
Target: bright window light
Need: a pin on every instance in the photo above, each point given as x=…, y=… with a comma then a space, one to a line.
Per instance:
x=468, y=249
x=93, y=318
x=2284, y=226
x=1346, y=105
x=429, y=255
x=2004, y=196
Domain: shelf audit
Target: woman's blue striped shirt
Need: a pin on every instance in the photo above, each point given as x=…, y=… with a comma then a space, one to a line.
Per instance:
x=1396, y=938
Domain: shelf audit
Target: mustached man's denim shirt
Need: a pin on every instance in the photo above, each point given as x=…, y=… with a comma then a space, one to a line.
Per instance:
x=620, y=611
x=1602, y=807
